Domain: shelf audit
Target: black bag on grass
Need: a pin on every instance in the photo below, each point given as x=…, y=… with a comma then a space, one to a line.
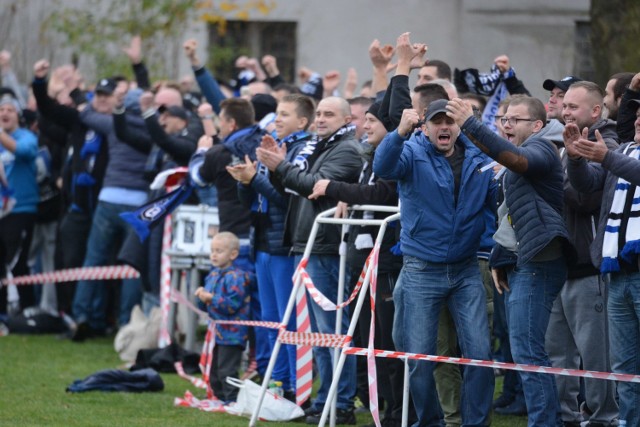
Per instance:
x=34, y=320
x=163, y=359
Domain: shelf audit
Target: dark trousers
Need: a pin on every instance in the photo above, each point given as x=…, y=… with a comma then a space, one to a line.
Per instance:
x=16, y=231
x=226, y=363
x=72, y=244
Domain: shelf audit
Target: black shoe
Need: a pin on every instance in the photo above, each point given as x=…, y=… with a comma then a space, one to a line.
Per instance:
x=502, y=401
x=82, y=332
x=515, y=408
x=571, y=423
x=312, y=411
x=343, y=416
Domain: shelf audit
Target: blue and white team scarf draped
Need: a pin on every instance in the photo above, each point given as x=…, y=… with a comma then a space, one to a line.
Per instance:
x=261, y=204
x=308, y=150
x=631, y=248
x=152, y=213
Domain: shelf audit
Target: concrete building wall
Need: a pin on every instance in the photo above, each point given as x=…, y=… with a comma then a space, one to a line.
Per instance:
x=538, y=35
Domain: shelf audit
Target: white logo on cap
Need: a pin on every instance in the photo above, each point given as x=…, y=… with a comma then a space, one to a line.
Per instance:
x=104, y=82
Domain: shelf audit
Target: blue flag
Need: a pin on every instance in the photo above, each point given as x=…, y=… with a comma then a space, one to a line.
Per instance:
x=152, y=213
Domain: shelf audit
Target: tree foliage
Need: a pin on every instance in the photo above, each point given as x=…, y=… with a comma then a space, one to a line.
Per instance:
x=615, y=32
x=98, y=29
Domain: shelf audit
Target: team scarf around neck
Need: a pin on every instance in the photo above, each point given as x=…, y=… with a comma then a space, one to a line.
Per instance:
x=310, y=151
x=624, y=207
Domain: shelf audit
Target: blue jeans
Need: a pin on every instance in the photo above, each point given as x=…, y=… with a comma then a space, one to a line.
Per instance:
x=511, y=385
x=423, y=289
x=323, y=270
x=534, y=287
x=624, y=339
x=106, y=236
x=274, y=280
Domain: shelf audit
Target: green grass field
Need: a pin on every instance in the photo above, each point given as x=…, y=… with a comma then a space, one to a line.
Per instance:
x=35, y=370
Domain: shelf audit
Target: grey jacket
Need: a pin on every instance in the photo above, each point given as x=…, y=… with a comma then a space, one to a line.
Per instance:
x=126, y=165
x=588, y=177
x=582, y=210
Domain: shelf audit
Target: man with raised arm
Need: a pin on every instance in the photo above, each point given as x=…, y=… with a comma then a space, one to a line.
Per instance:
x=443, y=199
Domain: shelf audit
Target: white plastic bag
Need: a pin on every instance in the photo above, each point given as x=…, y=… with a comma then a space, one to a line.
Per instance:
x=274, y=407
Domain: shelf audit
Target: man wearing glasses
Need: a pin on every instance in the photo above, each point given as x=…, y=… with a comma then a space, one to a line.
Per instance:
x=534, y=199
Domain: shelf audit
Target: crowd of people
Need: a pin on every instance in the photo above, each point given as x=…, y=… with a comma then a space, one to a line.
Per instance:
x=519, y=236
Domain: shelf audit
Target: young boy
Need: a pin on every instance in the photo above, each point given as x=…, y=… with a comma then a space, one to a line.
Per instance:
x=226, y=296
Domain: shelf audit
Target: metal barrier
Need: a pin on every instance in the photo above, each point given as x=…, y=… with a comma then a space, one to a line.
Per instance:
x=326, y=217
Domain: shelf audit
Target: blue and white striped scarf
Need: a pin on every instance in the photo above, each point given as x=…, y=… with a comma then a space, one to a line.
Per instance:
x=615, y=220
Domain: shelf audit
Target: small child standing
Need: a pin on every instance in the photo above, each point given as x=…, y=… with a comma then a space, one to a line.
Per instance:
x=226, y=296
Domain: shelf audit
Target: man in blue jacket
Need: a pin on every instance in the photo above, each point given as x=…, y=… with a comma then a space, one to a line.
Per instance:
x=442, y=195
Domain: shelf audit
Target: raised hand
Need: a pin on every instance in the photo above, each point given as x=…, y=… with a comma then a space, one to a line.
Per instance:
x=571, y=136
x=409, y=54
x=330, y=82
x=146, y=100
x=41, y=69
x=268, y=143
x=594, y=151
x=304, y=74
x=190, y=51
x=271, y=159
x=119, y=93
x=351, y=83
x=459, y=111
x=270, y=65
x=5, y=59
x=134, y=50
x=408, y=122
x=205, y=110
x=502, y=62
x=205, y=142
x=380, y=55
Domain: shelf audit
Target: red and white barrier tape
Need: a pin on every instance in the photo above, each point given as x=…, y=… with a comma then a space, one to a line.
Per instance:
x=206, y=358
x=198, y=382
x=314, y=339
x=176, y=296
x=501, y=365
x=109, y=272
x=372, y=373
x=304, y=353
x=325, y=303
x=207, y=405
x=164, y=338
